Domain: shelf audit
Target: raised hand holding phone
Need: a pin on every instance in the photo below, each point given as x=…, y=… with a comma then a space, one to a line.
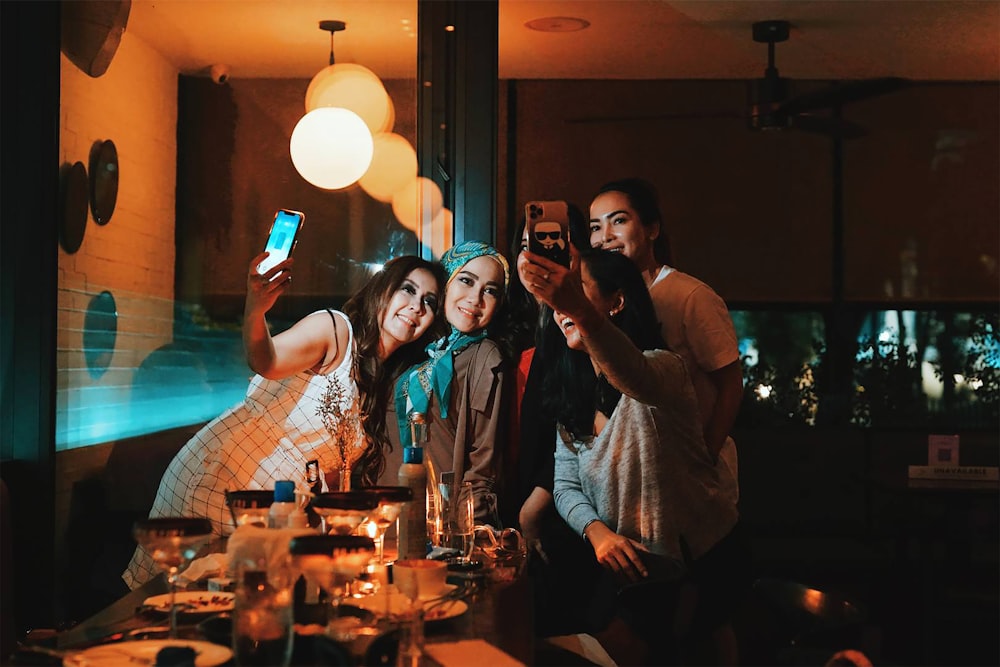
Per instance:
x=548, y=229
x=281, y=239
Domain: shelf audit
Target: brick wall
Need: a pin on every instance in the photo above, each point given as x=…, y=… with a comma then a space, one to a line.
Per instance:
x=134, y=104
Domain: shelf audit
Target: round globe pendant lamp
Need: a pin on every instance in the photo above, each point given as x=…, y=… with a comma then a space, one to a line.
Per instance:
x=417, y=202
x=350, y=86
x=394, y=164
x=331, y=147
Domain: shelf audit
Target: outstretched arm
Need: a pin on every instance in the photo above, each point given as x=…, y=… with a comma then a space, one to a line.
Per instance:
x=307, y=344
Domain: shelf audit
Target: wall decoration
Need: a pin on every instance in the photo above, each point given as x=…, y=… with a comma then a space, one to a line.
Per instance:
x=100, y=331
x=103, y=180
x=92, y=31
x=73, y=195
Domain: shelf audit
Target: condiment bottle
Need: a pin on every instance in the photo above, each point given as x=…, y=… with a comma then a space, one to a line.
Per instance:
x=412, y=541
x=283, y=505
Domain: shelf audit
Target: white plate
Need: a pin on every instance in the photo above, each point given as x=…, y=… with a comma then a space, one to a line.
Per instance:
x=143, y=652
x=448, y=588
x=399, y=603
x=193, y=602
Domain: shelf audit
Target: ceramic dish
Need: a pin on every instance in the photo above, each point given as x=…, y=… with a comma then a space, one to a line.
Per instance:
x=398, y=604
x=192, y=602
x=144, y=652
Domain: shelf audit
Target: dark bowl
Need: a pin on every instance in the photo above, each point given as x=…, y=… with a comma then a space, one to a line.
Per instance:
x=345, y=500
x=302, y=545
x=250, y=498
x=390, y=494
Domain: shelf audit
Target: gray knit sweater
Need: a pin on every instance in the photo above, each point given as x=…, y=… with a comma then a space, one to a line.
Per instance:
x=647, y=475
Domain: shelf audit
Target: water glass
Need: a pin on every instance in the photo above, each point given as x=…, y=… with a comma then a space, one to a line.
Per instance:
x=458, y=510
x=263, y=624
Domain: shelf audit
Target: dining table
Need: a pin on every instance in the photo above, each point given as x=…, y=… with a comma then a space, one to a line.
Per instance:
x=496, y=626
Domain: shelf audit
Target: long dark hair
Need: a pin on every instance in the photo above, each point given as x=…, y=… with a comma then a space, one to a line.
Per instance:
x=374, y=377
x=571, y=389
x=642, y=198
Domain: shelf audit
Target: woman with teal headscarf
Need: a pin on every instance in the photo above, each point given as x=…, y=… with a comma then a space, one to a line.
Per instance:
x=459, y=388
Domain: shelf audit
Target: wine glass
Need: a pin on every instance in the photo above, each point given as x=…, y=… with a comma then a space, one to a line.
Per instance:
x=390, y=504
x=172, y=542
x=343, y=511
x=250, y=506
x=332, y=561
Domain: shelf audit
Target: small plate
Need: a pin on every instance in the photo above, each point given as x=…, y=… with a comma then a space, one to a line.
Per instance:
x=399, y=603
x=448, y=588
x=192, y=602
x=143, y=652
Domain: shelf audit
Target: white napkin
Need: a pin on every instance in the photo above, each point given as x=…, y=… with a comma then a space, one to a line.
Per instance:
x=586, y=646
x=212, y=565
x=468, y=652
x=261, y=548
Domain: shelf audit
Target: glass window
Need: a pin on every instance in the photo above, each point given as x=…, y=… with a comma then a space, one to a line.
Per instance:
x=203, y=166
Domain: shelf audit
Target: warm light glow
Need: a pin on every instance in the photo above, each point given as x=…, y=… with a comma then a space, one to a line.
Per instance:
x=440, y=232
x=394, y=164
x=331, y=147
x=763, y=391
x=417, y=202
x=354, y=87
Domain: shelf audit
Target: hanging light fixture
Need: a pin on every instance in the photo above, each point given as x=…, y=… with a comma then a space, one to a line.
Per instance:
x=350, y=86
x=331, y=146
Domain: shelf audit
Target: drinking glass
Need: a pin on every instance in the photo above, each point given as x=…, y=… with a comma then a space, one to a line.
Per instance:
x=172, y=542
x=250, y=507
x=263, y=623
x=390, y=504
x=458, y=512
x=333, y=562
x=343, y=511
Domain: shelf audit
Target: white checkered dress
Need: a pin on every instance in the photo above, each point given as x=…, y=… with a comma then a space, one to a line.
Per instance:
x=269, y=436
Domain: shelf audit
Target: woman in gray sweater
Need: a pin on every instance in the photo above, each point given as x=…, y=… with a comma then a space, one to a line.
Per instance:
x=633, y=475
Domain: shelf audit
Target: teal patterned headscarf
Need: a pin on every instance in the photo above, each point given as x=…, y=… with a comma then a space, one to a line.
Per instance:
x=432, y=378
x=456, y=257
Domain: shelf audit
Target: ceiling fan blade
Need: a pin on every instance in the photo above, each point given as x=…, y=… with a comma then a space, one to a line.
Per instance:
x=693, y=115
x=844, y=93
x=835, y=128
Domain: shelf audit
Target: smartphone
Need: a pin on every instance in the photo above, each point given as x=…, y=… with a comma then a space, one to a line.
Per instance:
x=548, y=229
x=282, y=238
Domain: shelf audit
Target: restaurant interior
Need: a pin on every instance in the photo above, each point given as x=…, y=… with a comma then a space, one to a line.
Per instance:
x=854, y=235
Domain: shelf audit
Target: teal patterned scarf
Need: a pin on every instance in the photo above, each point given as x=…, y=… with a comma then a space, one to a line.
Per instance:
x=415, y=388
x=431, y=378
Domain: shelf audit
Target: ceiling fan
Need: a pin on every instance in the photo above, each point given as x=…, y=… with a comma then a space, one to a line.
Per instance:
x=770, y=105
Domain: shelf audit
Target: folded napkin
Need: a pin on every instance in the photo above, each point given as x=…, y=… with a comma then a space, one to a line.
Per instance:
x=470, y=652
x=261, y=548
x=206, y=567
x=586, y=646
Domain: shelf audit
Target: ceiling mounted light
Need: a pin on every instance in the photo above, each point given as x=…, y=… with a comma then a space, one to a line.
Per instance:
x=557, y=24
x=331, y=147
x=350, y=86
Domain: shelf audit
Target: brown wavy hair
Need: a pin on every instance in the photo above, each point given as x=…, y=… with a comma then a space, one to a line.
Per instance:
x=375, y=377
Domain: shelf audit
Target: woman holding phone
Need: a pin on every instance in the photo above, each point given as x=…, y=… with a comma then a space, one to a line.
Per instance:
x=277, y=431
x=633, y=476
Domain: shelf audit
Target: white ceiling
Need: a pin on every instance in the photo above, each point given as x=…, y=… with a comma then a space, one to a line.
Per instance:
x=627, y=39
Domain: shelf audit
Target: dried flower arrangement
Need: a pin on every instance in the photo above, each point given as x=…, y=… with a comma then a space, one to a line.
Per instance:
x=343, y=425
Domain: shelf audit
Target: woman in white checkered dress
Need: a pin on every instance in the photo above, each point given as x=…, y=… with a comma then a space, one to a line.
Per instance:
x=276, y=429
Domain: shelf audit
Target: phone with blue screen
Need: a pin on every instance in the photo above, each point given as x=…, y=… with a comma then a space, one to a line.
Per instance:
x=282, y=238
